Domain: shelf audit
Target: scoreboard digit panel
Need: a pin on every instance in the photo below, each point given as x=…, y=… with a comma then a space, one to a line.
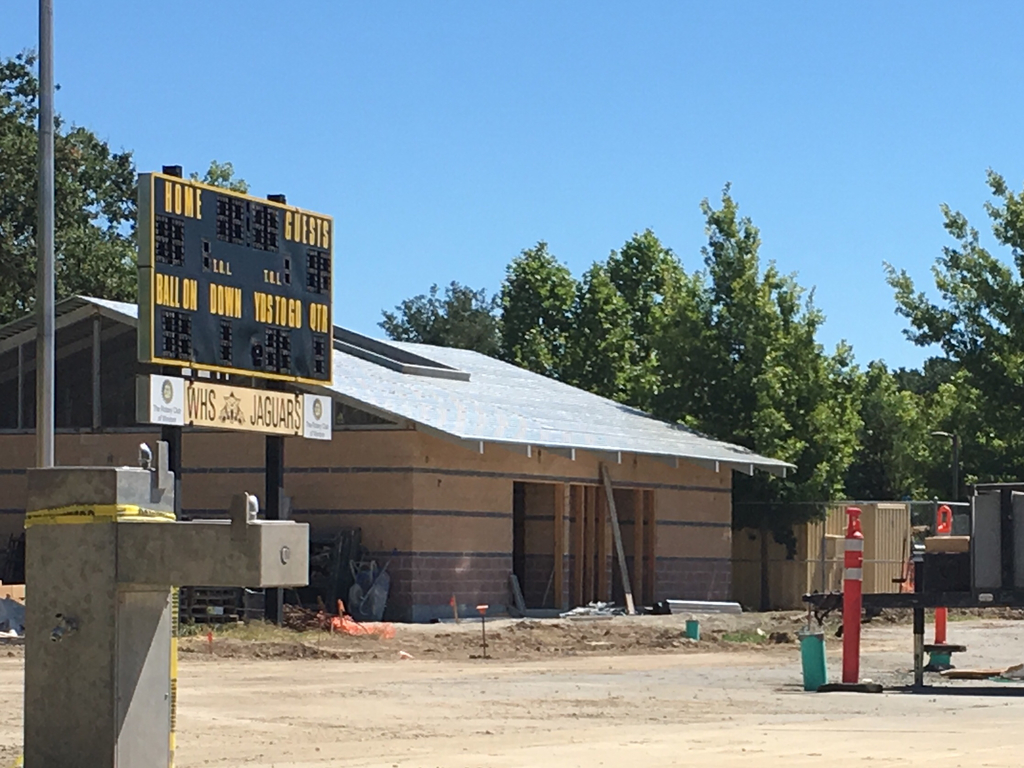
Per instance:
x=233, y=283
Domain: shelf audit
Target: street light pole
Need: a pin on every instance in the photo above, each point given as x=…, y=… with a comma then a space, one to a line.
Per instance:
x=956, y=467
x=44, y=245
x=955, y=461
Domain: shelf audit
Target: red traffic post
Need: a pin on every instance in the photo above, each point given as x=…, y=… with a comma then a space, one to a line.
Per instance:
x=853, y=577
x=943, y=527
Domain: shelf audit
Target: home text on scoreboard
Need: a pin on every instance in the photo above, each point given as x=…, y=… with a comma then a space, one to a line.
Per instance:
x=233, y=283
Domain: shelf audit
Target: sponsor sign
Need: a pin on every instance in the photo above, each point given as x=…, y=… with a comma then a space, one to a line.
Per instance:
x=200, y=403
x=161, y=400
x=317, y=416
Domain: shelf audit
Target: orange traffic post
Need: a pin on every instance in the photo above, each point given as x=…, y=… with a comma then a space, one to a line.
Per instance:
x=482, y=610
x=943, y=527
x=853, y=577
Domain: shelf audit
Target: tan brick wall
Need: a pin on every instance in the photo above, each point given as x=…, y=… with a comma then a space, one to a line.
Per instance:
x=443, y=509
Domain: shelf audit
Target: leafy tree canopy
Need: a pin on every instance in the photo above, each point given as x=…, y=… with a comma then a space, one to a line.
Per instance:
x=601, y=345
x=94, y=202
x=978, y=323
x=740, y=361
x=222, y=175
x=463, y=318
x=536, y=312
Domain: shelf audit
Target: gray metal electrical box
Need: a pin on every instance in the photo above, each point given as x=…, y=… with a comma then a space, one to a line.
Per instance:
x=102, y=551
x=986, y=541
x=997, y=539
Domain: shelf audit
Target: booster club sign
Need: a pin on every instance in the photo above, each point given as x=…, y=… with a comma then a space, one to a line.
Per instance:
x=233, y=283
x=198, y=403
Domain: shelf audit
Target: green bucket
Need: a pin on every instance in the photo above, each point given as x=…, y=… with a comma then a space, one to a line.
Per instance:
x=693, y=629
x=812, y=658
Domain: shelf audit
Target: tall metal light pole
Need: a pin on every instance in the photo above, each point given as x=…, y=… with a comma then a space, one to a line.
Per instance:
x=44, y=244
x=955, y=460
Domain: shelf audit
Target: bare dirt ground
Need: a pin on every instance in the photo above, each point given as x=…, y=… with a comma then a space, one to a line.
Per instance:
x=590, y=696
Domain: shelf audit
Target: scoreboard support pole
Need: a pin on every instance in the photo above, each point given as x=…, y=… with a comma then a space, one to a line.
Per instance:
x=172, y=436
x=274, y=474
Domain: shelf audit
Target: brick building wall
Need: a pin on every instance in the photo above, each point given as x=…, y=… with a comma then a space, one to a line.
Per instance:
x=438, y=513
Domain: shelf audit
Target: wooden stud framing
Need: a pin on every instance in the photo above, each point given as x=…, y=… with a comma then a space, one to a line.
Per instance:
x=617, y=533
x=638, y=497
x=601, y=533
x=588, y=544
x=558, y=562
x=650, y=542
x=576, y=513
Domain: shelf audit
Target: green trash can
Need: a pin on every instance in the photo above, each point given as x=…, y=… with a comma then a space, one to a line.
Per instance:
x=693, y=629
x=812, y=658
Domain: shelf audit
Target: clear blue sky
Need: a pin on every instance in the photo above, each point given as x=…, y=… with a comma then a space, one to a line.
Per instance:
x=444, y=137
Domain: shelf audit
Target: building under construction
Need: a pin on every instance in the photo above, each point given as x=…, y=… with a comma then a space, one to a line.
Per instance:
x=457, y=469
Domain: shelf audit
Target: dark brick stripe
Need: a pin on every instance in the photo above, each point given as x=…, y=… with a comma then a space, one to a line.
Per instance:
x=416, y=512
x=419, y=553
x=670, y=559
x=695, y=523
x=452, y=473
x=222, y=470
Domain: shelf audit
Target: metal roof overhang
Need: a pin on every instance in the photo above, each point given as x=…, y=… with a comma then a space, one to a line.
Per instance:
x=67, y=312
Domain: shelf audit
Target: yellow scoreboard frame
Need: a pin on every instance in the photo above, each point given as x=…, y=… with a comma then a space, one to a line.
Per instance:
x=233, y=283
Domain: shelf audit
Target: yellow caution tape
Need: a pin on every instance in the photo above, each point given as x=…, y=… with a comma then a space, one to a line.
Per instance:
x=79, y=514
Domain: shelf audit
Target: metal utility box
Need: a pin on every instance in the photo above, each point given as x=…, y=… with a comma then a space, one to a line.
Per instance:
x=103, y=550
x=997, y=538
x=986, y=541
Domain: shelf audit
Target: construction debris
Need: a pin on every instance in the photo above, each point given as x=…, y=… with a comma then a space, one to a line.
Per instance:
x=593, y=610
x=702, y=606
x=1014, y=674
x=368, y=596
x=970, y=674
x=304, y=619
x=12, y=616
x=13, y=591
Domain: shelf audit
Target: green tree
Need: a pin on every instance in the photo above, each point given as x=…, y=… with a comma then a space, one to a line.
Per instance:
x=644, y=272
x=601, y=344
x=926, y=380
x=463, y=318
x=537, y=299
x=94, y=202
x=978, y=323
x=740, y=361
x=892, y=453
x=222, y=175
x=94, y=217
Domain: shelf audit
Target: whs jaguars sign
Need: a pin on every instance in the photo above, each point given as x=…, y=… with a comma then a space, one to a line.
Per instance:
x=199, y=403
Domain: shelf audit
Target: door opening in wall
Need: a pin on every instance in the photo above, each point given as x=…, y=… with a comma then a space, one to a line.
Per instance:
x=535, y=509
x=519, y=532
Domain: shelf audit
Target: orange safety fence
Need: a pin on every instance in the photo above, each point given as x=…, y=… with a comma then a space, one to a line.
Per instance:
x=349, y=626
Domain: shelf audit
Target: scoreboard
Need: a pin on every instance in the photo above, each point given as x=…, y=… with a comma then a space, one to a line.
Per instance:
x=233, y=283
